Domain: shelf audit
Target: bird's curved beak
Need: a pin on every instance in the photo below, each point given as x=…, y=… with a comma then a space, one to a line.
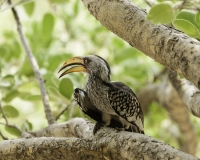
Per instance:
x=73, y=61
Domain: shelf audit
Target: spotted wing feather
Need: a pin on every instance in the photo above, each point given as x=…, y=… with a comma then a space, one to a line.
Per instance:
x=85, y=105
x=125, y=103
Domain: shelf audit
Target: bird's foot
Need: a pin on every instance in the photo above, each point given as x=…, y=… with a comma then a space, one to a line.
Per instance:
x=120, y=129
x=97, y=127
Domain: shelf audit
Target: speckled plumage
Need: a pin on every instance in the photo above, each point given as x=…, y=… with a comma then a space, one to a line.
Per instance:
x=111, y=99
x=87, y=107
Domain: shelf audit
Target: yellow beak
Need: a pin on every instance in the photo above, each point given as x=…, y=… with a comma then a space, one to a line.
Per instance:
x=73, y=61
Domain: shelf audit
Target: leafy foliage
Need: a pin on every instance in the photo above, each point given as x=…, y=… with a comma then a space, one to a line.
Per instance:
x=58, y=30
x=185, y=21
x=161, y=13
x=188, y=22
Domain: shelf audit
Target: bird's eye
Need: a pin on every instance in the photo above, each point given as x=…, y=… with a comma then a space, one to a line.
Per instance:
x=86, y=61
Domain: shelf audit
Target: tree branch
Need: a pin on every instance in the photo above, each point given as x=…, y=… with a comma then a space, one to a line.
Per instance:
x=63, y=111
x=166, y=96
x=3, y=115
x=171, y=101
x=166, y=45
x=12, y=126
x=149, y=3
x=106, y=144
x=187, y=92
x=4, y=138
x=35, y=67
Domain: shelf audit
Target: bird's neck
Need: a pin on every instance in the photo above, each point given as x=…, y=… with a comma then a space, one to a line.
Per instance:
x=99, y=77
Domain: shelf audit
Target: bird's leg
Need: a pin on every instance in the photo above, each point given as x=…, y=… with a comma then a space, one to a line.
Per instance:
x=120, y=129
x=106, y=118
x=123, y=127
x=97, y=127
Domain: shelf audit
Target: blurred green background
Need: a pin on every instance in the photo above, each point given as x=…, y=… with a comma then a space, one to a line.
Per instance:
x=57, y=30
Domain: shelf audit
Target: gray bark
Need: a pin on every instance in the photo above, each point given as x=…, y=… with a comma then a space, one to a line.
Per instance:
x=166, y=96
x=169, y=47
x=106, y=144
x=35, y=67
x=187, y=92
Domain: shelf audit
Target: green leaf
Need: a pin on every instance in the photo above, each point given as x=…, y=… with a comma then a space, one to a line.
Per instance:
x=16, y=49
x=33, y=98
x=26, y=125
x=12, y=131
x=54, y=62
x=187, y=27
x=31, y=87
x=197, y=18
x=11, y=95
x=47, y=25
x=161, y=13
x=189, y=16
x=51, y=80
x=5, y=52
x=66, y=87
x=29, y=8
x=26, y=69
x=55, y=95
x=10, y=111
x=76, y=8
x=7, y=82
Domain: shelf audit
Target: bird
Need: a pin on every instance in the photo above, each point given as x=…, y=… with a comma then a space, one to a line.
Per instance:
x=110, y=98
x=86, y=106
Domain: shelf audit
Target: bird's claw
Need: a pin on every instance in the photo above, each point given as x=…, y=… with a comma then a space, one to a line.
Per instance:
x=120, y=129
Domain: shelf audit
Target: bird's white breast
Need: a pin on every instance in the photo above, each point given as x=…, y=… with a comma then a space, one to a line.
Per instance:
x=97, y=93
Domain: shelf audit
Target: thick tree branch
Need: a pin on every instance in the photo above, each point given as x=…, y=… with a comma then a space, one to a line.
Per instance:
x=35, y=67
x=171, y=101
x=189, y=94
x=166, y=95
x=166, y=45
x=107, y=144
x=76, y=127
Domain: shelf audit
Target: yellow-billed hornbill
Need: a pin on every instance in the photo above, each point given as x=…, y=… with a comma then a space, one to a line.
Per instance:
x=87, y=107
x=112, y=99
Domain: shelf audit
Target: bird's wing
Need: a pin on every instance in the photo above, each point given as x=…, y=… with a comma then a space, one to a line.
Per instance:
x=89, y=109
x=85, y=105
x=125, y=103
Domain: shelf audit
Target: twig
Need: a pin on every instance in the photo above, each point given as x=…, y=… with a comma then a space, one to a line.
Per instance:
x=4, y=138
x=180, y=5
x=12, y=126
x=64, y=110
x=149, y=3
x=35, y=67
x=3, y=115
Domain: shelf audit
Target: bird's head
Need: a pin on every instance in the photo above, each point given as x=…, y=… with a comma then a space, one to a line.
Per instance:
x=91, y=64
